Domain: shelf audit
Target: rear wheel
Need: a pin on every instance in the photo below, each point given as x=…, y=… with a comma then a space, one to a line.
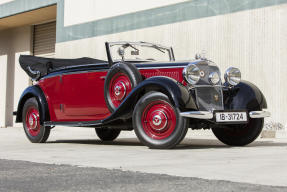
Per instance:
x=35, y=132
x=239, y=135
x=106, y=134
x=157, y=123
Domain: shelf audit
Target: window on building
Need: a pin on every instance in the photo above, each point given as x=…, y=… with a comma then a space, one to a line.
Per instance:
x=44, y=39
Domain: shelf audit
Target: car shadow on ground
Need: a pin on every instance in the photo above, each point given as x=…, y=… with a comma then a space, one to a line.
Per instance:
x=186, y=144
x=211, y=143
x=121, y=142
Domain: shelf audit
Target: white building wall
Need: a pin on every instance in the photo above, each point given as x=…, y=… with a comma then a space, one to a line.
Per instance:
x=21, y=45
x=99, y=9
x=252, y=40
x=283, y=66
x=13, y=79
x=5, y=1
x=3, y=76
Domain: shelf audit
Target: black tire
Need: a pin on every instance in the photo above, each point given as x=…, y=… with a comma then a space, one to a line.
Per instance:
x=158, y=133
x=106, y=134
x=239, y=135
x=35, y=132
x=128, y=70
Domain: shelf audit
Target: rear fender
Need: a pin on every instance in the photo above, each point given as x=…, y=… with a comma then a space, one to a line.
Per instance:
x=34, y=91
x=176, y=92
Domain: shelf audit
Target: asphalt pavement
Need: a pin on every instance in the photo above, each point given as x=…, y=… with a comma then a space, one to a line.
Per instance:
x=35, y=177
x=74, y=159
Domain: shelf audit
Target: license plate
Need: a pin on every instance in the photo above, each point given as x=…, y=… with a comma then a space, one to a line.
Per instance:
x=231, y=117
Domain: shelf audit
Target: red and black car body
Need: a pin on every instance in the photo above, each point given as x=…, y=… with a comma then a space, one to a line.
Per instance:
x=160, y=100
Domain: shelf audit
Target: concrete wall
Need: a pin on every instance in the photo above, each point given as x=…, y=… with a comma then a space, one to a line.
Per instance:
x=97, y=9
x=283, y=68
x=4, y=50
x=13, y=79
x=253, y=40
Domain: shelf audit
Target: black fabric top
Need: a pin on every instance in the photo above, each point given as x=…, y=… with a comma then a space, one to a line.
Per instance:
x=37, y=67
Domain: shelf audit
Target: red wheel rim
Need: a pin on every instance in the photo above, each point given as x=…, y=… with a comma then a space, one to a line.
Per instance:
x=33, y=121
x=119, y=88
x=158, y=119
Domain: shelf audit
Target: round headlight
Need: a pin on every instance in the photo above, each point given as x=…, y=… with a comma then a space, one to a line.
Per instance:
x=232, y=76
x=191, y=74
x=214, y=78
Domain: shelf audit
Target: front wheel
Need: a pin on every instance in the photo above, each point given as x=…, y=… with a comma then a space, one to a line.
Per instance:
x=34, y=131
x=157, y=123
x=239, y=135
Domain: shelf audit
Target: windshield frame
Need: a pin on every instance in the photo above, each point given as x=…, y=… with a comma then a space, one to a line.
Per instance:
x=140, y=43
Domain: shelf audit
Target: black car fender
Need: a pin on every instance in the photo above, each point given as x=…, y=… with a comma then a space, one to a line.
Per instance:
x=34, y=91
x=244, y=96
x=176, y=92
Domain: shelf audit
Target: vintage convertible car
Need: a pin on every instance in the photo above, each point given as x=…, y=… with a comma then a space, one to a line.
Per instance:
x=142, y=88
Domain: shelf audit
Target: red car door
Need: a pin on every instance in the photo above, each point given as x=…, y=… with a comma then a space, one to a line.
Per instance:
x=83, y=96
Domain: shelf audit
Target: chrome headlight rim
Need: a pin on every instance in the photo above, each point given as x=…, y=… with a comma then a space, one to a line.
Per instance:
x=232, y=76
x=191, y=70
x=214, y=78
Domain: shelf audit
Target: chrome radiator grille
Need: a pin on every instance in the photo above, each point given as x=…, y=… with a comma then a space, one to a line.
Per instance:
x=209, y=98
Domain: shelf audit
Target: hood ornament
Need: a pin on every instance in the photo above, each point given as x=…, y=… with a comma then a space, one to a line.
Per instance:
x=201, y=55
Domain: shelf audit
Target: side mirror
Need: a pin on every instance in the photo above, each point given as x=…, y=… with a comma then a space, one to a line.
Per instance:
x=121, y=51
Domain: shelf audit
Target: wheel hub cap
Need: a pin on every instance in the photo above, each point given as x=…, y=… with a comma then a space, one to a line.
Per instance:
x=156, y=120
x=159, y=120
x=120, y=90
x=32, y=121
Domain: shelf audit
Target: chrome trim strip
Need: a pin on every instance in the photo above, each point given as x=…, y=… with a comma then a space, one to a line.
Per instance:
x=208, y=86
x=259, y=114
x=84, y=65
x=101, y=70
x=87, y=71
x=197, y=114
x=166, y=67
x=74, y=72
x=73, y=124
x=193, y=87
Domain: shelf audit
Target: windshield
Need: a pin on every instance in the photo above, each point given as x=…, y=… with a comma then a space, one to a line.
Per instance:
x=139, y=52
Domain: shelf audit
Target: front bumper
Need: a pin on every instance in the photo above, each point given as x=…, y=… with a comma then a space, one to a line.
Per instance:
x=210, y=115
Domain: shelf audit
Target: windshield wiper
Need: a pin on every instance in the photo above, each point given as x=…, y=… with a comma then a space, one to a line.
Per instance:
x=158, y=48
x=155, y=46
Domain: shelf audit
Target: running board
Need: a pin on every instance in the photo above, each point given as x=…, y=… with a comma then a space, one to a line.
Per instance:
x=92, y=124
x=74, y=123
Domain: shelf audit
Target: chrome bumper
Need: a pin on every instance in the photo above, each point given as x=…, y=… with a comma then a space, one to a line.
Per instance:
x=197, y=114
x=259, y=114
x=209, y=115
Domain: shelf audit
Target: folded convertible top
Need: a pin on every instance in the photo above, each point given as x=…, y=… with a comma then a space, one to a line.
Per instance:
x=37, y=67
